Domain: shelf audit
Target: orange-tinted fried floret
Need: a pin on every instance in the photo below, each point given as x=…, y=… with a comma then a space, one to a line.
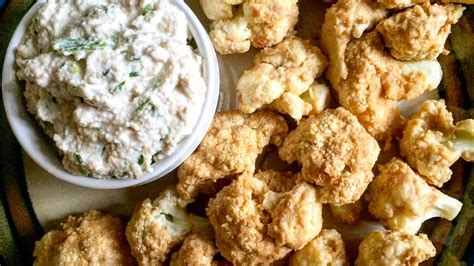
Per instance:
x=336, y=153
x=394, y=248
x=230, y=147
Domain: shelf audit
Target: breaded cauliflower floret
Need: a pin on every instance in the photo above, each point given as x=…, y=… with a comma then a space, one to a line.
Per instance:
x=376, y=81
x=402, y=200
x=348, y=213
x=270, y=20
x=394, y=248
x=420, y=32
x=432, y=143
x=197, y=250
x=255, y=225
x=155, y=229
x=89, y=238
x=262, y=23
x=336, y=153
x=278, y=181
x=230, y=147
x=327, y=249
x=218, y=9
x=399, y=4
x=231, y=35
x=280, y=75
x=345, y=20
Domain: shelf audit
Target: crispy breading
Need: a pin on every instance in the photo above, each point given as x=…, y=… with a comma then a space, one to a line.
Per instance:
x=394, y=248
x=89, y=238
x=280, y=75
x=278, y=181
x=255, y=225
x=270, y=20
x=230, y=147
x=155, y=229
x=402, y=200
x=399, y=4
x=420, y=32
x=348, y=213
x=327, y=249
x=197, y=250
x=345, y=20
x=426, y=145
x=262, y=23
x=231, y=35
x=376, y=81
x=218, y=9
x=336, y=153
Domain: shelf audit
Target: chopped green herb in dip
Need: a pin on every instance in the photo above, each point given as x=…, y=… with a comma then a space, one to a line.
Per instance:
x=105, y=81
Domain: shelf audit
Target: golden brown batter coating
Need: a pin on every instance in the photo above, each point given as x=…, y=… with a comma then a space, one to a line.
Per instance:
x=402, y=200
x=394, y=248
x=280, y=75
x=327, y=249
x=432, y=143
x=90, y=238
x=261, y=23
x=420, y=32
x=376, y=81
x=344, y=21
x=230, y=147
x=336, y=153
x=348, y=213
x=155, y=229
x=197, y=250
x=255, y=225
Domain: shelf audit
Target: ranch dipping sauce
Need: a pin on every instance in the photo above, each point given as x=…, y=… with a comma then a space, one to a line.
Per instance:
x=113, y=83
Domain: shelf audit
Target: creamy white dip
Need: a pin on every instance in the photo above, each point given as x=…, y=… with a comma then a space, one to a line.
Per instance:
x=114, y=83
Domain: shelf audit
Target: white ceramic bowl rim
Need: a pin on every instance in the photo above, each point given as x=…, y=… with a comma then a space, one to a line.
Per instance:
x=33, y=140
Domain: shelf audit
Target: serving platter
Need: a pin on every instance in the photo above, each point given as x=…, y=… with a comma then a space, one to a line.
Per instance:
x=33, y=201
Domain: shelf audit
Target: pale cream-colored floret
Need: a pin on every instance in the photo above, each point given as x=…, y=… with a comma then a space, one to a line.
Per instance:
x=281, y=74
x=319, y=96
x=394, y=248
x=230, y=147
x=348, y=213
x=336, y=153
x=432, y=143
x=219, y=9
x=402, y=200
x=420, y=32
x=260, y=23
x=197, y=250
x=256, y=225
x=376, y=81
x=231, y=35
x=327, y=249
x=155, y=229
x=90, y=238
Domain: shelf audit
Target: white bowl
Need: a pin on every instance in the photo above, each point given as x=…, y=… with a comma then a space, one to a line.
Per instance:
x=41, y=150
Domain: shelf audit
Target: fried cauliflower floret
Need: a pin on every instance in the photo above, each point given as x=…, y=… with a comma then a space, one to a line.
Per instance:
x=278, y=181
x=432, y=143
x=394, y=248
x=280, y=75
x=231, y=35
x=218, y=9
x=89, y=238
x=348, y=213
x=270, y=20
x=345, y=20
x=336, y=153
x=402, y=200
x=255, y=225
x=327, y=249
x=376, y=81
x=230, y=147
x=420, y=32
x=401, y=3
x=155, y=229
x=197, y=250
x=260, y=23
